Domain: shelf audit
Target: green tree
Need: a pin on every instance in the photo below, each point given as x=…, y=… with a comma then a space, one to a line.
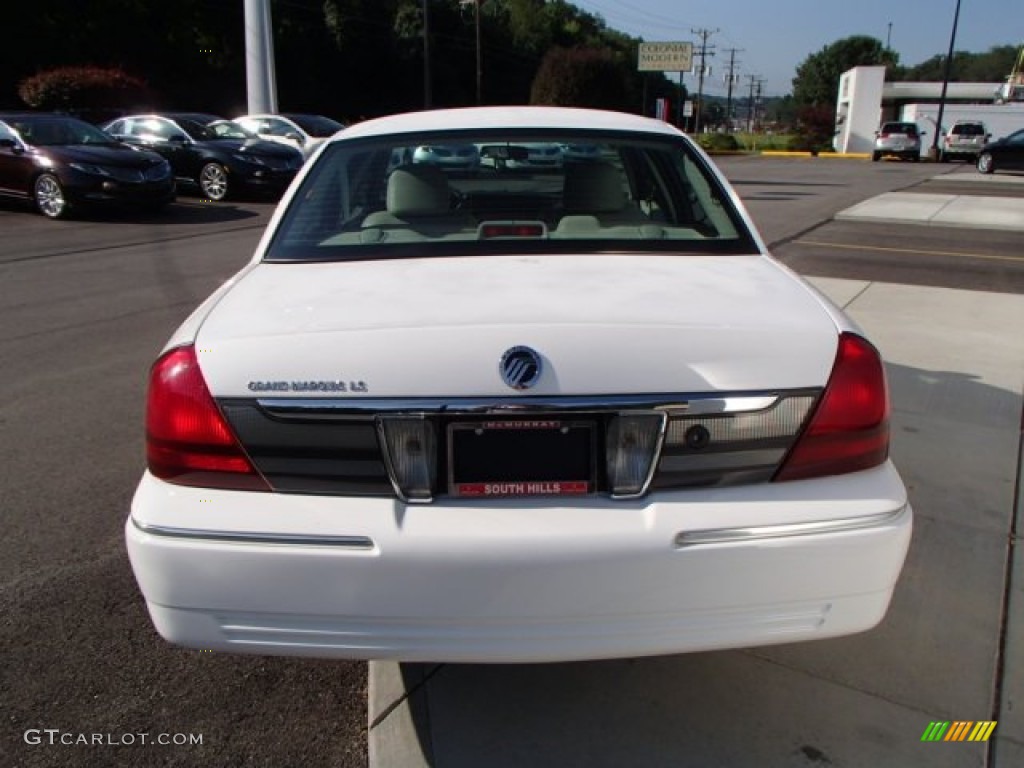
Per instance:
x=817, y=77
x=990, y=67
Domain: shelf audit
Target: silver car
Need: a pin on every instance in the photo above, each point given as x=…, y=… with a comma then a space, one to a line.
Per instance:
x=964, y=140
x=897, y=139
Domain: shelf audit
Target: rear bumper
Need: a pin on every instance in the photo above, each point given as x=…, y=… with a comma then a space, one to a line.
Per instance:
x=519, y=582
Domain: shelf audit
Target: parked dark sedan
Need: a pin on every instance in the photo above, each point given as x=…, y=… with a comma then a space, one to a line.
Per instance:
x=218, y=162
x=59, y=163
x=1006, y=153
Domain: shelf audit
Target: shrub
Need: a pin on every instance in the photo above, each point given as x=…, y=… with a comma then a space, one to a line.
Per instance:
x=718, y=142
x=814, y=131
x=82, y=88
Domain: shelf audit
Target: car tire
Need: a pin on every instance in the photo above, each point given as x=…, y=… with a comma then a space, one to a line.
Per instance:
x=875, y=157
x=943, y=157
x=49, y=197
x=915, y=158
x=986, y=163
x=213, y=181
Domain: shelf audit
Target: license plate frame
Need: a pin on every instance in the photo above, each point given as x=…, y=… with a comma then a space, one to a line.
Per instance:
x=522, y=457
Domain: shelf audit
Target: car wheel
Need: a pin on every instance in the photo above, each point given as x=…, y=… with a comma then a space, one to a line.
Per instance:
x=943, y=157
x=986, y=163
x=213, y=181
x=49, y=197
x=874, y=157
x=915, y=158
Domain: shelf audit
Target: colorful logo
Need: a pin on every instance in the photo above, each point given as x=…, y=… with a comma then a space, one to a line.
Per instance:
x=959, y=730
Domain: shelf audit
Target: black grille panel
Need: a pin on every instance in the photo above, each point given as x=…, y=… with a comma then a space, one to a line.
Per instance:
x=311, y=455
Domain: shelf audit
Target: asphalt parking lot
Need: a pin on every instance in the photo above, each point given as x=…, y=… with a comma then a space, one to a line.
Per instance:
x=86, y=306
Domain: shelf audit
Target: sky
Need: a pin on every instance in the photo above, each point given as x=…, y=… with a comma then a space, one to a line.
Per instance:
x=777, y=35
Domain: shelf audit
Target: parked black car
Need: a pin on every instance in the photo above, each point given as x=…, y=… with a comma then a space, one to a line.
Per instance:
x=1006, y=153
x=60, y=162
x=218, y=161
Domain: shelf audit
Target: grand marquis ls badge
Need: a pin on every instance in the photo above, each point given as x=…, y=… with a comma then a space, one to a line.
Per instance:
x=520, y=367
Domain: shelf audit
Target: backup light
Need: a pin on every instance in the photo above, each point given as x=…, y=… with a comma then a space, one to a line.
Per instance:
x=633, y=445
x=410, y=452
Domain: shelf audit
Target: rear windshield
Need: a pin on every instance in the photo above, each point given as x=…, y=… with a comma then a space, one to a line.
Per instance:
x=969, y=129
x=908, y=128
x=462, y=193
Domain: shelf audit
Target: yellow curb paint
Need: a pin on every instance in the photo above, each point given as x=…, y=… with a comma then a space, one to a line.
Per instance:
x=846, y=155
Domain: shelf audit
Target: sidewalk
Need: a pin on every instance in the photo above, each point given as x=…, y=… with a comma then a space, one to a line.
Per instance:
x=990, y=211
x=956, y=366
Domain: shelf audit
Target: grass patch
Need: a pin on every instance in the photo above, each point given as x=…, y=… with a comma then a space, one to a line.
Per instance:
x=757, y=142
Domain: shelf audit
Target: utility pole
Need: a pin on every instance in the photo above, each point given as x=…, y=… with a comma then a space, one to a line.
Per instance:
x=757, y=102
x=888, y=38
x=730, y=80
x=704, y=52
x=479, y=59
x=479, y=55
x=750, y=103
x=427, y=94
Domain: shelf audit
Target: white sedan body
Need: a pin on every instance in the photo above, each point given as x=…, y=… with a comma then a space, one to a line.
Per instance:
x=286, y=129
x=515, y=417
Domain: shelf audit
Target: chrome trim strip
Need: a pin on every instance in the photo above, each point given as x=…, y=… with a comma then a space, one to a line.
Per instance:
x=756, y=533
x=674, y=404
x=240, y=537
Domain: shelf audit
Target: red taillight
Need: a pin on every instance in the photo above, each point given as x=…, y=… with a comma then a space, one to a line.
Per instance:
x=188, y=440
x=849, y=429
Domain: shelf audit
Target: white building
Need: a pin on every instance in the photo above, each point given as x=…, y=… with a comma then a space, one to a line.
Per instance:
x=865, y=100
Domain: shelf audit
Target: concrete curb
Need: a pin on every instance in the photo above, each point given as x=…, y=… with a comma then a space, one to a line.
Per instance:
x=846, y=155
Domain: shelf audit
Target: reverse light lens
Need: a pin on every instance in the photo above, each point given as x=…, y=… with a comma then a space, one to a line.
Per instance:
x=410, y=450
x=849, y=429
x=188, y=440
x=632, y=447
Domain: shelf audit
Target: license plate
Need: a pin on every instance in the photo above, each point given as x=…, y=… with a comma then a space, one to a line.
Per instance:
x=521, y=457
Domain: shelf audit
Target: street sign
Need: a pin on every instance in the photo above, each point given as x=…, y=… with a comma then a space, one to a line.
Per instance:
x=687, y=108
x=665, y=57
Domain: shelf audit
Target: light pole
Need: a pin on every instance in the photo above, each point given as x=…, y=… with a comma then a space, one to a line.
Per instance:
x=933, y=153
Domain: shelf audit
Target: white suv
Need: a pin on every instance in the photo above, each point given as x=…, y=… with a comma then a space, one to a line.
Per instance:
x=965, y=139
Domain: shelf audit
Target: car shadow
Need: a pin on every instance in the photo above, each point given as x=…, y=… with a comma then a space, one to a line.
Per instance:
x=770, y=183
x=857, y=700
x=188, y=211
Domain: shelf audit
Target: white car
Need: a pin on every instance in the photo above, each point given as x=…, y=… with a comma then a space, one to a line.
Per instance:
x=517, y=418
x=304, y=132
